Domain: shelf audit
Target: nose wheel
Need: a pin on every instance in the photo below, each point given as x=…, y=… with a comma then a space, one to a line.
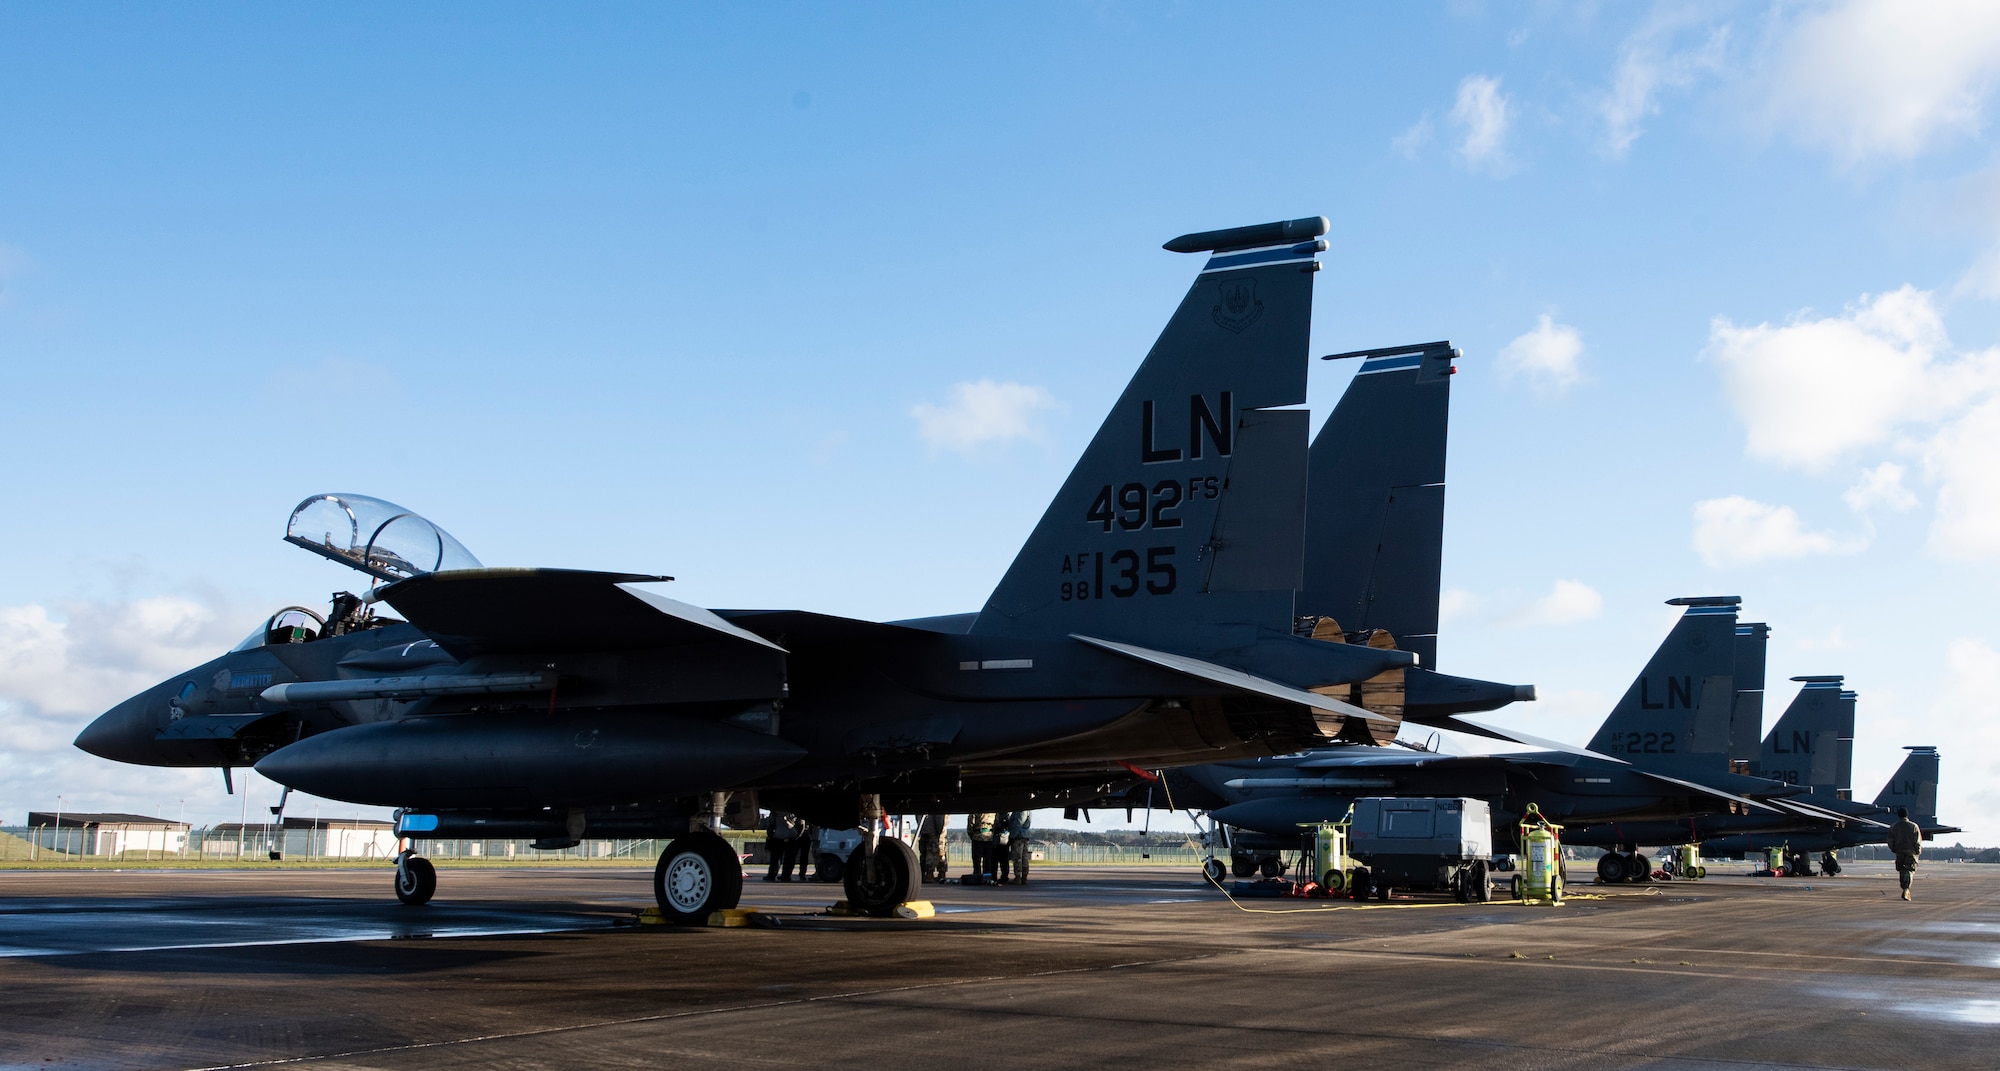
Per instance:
x=416, y=879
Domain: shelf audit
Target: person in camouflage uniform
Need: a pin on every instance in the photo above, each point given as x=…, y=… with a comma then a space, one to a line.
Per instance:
x=1906, y=840
x=979, y=830
x=1017, y=828
x=931, y=845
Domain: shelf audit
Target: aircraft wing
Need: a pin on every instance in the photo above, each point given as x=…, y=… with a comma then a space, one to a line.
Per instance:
x=1234, y=678
x=1500, y=733
x=1555, y=745
x=1807, y=810
x=508, y=611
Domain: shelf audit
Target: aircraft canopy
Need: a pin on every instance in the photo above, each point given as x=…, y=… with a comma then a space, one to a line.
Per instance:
x=379, y=538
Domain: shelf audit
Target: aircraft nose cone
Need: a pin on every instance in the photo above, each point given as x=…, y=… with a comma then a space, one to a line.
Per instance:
x=122, y=734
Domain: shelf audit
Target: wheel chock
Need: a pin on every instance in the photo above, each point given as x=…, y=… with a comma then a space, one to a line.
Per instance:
x=916, y=909
x=652, y=917
x=734, y=916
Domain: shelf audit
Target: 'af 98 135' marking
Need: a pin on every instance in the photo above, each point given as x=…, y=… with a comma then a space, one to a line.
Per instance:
x=1097, y=575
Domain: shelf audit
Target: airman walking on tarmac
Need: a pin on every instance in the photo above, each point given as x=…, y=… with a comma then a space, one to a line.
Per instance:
x=1906, y=840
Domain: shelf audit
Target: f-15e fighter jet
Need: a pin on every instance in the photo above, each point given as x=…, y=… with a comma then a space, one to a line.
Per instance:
x=1147, y=622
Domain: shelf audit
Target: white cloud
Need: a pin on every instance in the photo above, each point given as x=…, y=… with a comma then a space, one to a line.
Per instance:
x=1882, y=375
x=1649, y=63
x=1481, y=116
x=1737, y=531
x=1834, y=639
x=1416, y=137
x=62, y=666
x=1547, y=354
x=1814, y=389
x=1454, y=603
x=982, y=412
x=1883, y=78
x=1960, y=459
x=1880, y=488
x=1568, y=602
x=1969, y=784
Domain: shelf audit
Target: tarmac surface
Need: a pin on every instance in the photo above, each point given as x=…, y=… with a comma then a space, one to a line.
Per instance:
x=1087, y=967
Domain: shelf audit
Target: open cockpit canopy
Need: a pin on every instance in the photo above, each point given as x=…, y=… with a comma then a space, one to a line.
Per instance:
x=379, y=538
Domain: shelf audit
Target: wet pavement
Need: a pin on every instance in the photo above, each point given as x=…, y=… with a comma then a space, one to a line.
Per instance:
x=542, y=967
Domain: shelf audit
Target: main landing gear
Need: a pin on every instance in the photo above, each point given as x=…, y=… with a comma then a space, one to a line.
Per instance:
x=1624, y=863
x=698, y=875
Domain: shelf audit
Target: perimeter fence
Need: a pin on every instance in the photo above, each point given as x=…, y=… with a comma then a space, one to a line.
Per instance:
x=134, y=844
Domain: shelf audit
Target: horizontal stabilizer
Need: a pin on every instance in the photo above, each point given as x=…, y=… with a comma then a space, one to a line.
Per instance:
x=1234, y=678
x=553, y=611
x=409, y=687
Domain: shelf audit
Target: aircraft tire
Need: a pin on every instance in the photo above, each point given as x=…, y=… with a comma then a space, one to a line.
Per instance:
x=829, y=868
x=697, y=876
x=1272, y=866
x=1214, y=871
x=1641, y=869
x=880, y=885
x=1243, y=864
x=1611, y=868
x=416, y=881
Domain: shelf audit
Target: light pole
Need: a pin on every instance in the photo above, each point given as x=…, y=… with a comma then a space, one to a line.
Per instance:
x=181, y=820
x=59, y=810
x=243, y=820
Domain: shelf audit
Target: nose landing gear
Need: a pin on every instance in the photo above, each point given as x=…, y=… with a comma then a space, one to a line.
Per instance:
x=416, y=879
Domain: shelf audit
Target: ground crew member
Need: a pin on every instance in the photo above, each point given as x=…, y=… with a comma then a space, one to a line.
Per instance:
x=1906, y=840
x=805, y=846
x=930, y=844
x=781, y=835
x=1017, y=845
x=979, y=830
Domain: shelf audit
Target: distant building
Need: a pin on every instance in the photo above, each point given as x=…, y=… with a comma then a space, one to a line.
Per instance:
x=303, y=838
x=84, y=834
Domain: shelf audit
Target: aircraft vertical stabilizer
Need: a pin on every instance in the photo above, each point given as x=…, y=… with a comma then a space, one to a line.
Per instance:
x=1746, y=720
x=1804, y=747
x=1676, y=715
x=1183, y=524
x=1375, y=507
x=1914, y=786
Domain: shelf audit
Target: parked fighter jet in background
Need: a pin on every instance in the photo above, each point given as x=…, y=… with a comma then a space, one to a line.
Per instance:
x=1914, y=786
x=1148, y=621
x=1661, y=755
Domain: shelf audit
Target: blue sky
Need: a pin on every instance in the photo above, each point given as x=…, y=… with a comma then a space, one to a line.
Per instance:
x=815, y=306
